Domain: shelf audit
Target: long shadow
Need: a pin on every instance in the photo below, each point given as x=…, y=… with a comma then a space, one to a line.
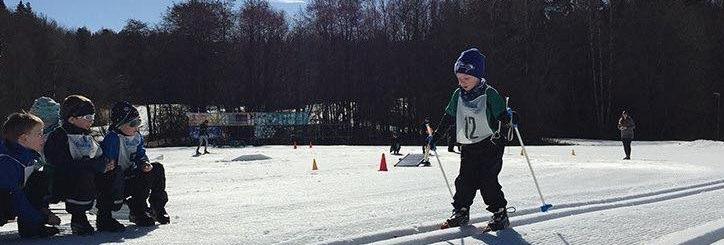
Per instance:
x=131, y=232
x=507, y=236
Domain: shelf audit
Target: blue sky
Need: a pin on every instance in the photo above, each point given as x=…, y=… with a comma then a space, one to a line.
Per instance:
x=113, y=14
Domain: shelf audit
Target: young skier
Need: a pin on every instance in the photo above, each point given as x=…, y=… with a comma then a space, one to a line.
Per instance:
x=477, y=108
x=134, y=175
x=22, y=189
x=49, y=111
x=77, y=159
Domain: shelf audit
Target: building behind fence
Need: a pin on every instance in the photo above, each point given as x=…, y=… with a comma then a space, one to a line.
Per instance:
x=174, y=125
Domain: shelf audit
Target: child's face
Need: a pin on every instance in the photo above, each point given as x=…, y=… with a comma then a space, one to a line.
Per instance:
x=467, y=82
x=127, y=129
x=84, y=122
x=33, y=139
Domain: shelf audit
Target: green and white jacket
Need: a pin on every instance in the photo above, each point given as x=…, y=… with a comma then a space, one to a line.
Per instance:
x=476, y=113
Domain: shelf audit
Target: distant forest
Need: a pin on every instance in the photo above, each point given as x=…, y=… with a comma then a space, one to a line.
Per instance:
x=568, y=66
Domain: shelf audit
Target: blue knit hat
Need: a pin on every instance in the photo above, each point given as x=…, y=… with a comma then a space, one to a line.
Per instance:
x=47, y=110
x=471, y=62
x=122, y=113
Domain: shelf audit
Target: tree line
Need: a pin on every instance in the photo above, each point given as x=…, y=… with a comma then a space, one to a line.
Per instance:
x=569, y=67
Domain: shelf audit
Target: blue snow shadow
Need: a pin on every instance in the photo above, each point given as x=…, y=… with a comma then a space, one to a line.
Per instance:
x=131, y=232
x=507, y=236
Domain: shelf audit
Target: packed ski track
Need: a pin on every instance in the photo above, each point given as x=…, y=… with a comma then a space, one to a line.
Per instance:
x=669, y=193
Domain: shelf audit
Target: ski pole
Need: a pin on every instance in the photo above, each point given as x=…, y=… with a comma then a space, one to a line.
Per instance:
x=544, y=207
x=429, y=145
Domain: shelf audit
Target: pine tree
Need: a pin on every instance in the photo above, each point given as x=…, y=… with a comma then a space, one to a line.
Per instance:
x=20, y=7
x=23, y=9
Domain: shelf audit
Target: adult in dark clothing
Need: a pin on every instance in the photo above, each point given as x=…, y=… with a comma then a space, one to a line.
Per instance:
x=626, y=125
x=203, y=137
x=395, y=144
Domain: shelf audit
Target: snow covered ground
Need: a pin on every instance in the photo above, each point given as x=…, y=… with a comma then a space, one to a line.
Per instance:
x=670, y=193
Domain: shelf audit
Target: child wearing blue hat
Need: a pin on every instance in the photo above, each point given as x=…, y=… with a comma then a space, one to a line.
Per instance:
x=135, y=179
x=477, y=110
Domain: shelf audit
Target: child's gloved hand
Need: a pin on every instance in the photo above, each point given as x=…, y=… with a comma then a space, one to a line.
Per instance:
x=147, y=167
x=509, y=117
x=110, y=165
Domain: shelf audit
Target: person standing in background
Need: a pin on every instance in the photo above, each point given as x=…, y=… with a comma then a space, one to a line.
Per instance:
x=626, y=125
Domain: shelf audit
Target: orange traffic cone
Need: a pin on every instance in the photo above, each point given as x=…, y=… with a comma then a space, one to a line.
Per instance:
x=314, y=164
x=383, y=163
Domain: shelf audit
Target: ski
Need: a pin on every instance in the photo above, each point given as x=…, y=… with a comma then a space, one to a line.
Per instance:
x=484, y=228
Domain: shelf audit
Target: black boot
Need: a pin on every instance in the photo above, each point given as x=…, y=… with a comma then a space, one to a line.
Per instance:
x=41, y=231
x=79, y=224
x=459, y=217
x=160, y=215
x=499, y=220
x=106, y=222
x=141, y=218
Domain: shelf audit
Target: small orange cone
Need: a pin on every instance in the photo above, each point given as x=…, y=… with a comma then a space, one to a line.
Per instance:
x=295, y=145
x=383, y=163
x=314, y=164
x=573, y=152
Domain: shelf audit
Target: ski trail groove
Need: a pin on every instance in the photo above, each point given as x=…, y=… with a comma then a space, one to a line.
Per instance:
x=407, y=235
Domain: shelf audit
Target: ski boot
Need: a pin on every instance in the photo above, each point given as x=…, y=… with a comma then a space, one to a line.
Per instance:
x=79, y=225
x=106, y=222
x=459, y=217
x=160, y=215
x=41, y=231
x=141, y=218
x=499, y=220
